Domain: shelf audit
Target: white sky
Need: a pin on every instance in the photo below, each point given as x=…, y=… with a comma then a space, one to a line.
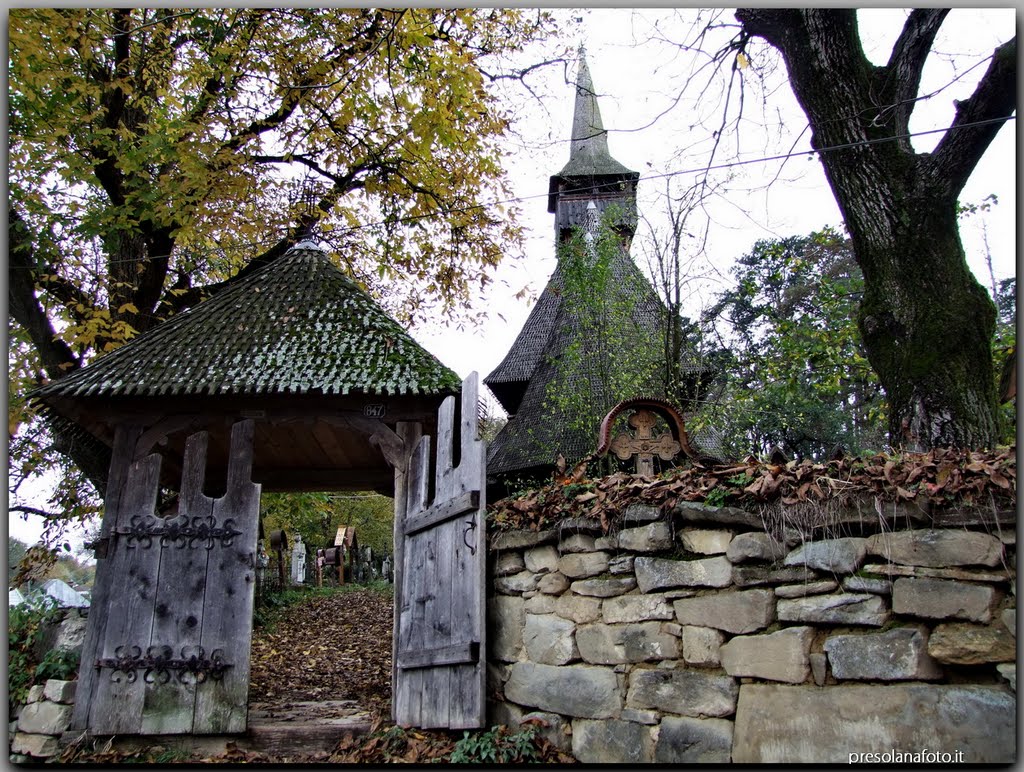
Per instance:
x=636, y=82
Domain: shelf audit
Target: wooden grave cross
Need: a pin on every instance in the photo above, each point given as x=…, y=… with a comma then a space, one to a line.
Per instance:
x=644, y=444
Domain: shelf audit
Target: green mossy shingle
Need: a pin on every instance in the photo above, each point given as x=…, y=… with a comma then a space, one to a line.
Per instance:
x=297, y=326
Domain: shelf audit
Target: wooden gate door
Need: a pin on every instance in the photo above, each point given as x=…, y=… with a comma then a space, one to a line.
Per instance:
x=439, y=673
x=167, y=646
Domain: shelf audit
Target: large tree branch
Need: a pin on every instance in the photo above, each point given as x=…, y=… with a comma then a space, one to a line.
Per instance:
x=829, y=73
x=114, y=101
x=775, y=25
x=55, y=354
x=903, y=72
x=976, y=123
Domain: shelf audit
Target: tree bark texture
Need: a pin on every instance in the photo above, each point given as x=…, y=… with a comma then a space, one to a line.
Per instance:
x=927, y=323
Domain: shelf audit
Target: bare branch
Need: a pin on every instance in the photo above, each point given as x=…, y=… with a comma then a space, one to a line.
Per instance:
x=33, y=511
x=903, y=72
x=976, y=123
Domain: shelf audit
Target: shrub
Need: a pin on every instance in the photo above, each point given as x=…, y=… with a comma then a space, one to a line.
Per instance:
x=61, y=664
x=496, y=746
x=26, y=626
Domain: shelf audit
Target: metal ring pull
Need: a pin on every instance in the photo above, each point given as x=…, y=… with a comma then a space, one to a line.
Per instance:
x=470, y=526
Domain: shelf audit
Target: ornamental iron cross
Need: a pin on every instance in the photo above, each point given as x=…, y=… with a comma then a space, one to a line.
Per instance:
x=643, y=444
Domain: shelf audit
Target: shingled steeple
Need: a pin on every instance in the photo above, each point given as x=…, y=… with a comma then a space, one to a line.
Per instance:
x=545, y=356
x=591, y=175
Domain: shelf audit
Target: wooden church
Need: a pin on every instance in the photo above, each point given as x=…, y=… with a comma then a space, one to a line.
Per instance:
x=555, y=353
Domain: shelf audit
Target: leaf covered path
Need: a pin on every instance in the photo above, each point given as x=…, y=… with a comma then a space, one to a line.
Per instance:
x=326, y=648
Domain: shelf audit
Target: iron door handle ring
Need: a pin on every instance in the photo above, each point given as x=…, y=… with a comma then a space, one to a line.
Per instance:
x=470, y=526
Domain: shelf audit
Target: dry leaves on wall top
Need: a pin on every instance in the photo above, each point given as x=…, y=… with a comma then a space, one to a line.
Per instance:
x=936, y=479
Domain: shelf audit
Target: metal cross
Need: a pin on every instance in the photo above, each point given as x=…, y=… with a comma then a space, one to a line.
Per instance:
x=643, y=444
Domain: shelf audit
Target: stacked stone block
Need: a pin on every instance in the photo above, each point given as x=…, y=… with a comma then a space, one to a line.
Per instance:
x=676, y=640
x=42, y=720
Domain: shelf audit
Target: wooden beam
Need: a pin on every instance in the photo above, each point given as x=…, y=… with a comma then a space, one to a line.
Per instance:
x=455, y=654
x=466, y=502
x=410, y=434
x=301, y=479
x=380, y=435
x=106, y=583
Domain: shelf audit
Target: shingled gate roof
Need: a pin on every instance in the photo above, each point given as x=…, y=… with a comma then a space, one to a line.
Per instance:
x=297, y=326
x=298, y=346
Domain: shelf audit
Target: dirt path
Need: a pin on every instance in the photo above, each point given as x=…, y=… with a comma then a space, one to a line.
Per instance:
x=327, y=650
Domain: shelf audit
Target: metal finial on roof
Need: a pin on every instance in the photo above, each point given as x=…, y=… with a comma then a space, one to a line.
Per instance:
x=307, y=244
x=304, y=198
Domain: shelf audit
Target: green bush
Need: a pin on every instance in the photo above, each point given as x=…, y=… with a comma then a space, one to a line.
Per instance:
x=26, y=626
x=496, y=746
x=60, y=664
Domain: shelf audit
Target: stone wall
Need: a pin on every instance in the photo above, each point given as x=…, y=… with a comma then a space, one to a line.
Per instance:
x=36, y=726
x=705, y=638
x=46, y=715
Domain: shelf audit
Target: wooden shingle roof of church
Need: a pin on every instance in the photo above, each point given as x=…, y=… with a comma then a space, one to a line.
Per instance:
x=534, y=434
x=298, y=326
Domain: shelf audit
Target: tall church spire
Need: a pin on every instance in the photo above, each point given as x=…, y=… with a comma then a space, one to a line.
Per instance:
x=591, y=173
x=588, y=148
x=555, y=382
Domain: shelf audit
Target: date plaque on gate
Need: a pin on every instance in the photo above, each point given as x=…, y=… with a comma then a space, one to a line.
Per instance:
x=374, y=410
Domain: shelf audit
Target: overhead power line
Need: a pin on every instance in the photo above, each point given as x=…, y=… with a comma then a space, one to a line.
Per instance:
x=663, y=175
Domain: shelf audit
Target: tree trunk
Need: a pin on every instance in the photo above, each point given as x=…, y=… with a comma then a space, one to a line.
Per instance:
x=927, y=323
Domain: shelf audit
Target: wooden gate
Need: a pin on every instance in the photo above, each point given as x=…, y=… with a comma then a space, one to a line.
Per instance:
x=439, y=668
x=167, y=647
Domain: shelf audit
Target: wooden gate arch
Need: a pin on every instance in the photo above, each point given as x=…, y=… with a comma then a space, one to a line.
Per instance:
x=168, y=644
x=167, y=650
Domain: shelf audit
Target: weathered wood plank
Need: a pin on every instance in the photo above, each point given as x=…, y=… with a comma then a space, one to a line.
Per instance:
x=441, y=592
x=407, y=688
x=452, y=654
x=118, y=697
x=467, y=501
x=435, y=593
x=125, y=439
x=445, y=475
x=410, y=434
x=467, y=702
x=221, y=705
x=323, y=433
x=169, y=705
x=387, y=442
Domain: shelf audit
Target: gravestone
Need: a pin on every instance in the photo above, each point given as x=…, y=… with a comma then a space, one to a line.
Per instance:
x=298, y=561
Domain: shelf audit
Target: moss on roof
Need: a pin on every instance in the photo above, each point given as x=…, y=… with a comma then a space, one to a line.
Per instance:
x=298, y=326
